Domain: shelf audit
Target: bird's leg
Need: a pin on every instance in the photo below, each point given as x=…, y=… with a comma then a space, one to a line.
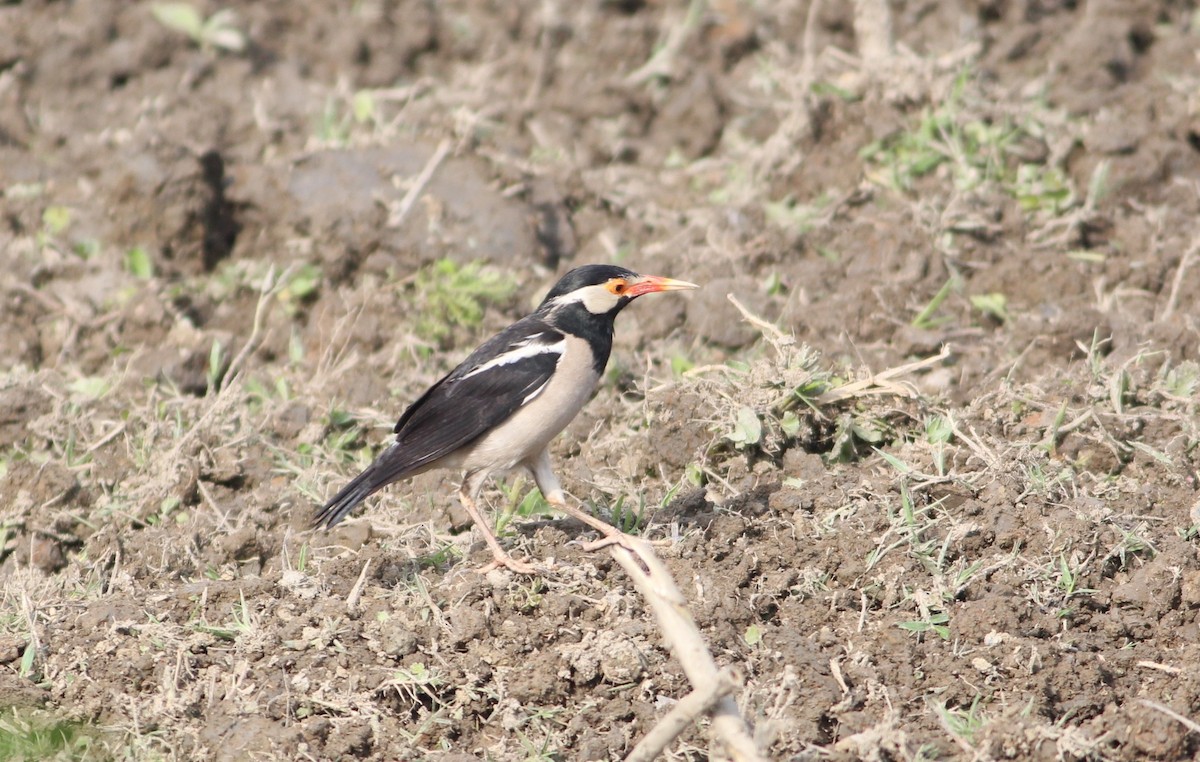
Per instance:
x=552, y=490
x=500, y=558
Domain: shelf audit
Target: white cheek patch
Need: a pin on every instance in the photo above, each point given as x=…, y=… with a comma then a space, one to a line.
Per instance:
x=595, y=299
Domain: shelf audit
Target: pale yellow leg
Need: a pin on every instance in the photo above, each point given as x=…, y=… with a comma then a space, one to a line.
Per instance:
x=500, y=558
x=552, y=490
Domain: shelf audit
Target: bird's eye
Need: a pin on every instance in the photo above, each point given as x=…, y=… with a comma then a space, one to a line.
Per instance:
x=617, y=286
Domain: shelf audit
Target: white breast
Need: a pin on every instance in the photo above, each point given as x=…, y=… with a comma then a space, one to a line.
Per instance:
x=531, y=428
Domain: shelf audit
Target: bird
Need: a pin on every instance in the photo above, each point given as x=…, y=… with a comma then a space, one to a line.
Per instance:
x=499, y=409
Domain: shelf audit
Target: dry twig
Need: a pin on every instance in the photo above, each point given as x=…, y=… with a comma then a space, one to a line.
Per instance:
x=678, y=628
x=880, y=383
x=1191, y=725
x=688, y=710
x=356, y=592
x=662, y=63
x=1177, y=282
x=396, y=218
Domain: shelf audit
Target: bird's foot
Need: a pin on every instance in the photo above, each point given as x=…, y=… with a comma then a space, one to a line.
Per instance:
x=505, y=561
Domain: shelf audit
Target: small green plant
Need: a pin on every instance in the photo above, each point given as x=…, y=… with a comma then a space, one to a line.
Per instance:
x=1038, y=188
x=793, y=217
x=29, y=734
x=909, y=526
x=814, y=381
x=1068, y=580
x=747, y=429
x=242, y=622
x=936, y=622
x=537, y=752
x=165, y=509
x=680, y=365
x=27, y=659
x=415, y=681
x=753, y=635
x=342, y=434
x=218, y=31
x=301, y=287
x=1131, y=544
x=519, y=501
x=852, y=432
x=902, y=158
x=1183, y=380
x=364, y=107
x=994, y=305
x=260, y=392
x=962, y=723
x=55, y=220
x=138, y=263
x=456, y=295
x=974, y=149
x=774, y=284
x=295, y=348
x=627, y=519
x=938, y=432
x=440, y=558
x=339, y=116
x=90, y=387
x=527, y=597
x=332, y=125
x=1053, y=436
x=216, y=367
x=926, y=318
x=70, y=452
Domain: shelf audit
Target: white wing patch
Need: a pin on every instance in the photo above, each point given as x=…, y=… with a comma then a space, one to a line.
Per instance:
x=534, y=393
x=517, y=352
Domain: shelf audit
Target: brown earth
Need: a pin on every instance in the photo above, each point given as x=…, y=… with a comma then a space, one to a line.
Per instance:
x=220, y=287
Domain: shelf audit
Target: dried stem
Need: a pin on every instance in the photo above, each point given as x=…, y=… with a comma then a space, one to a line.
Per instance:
x=356, y=591
x=662, y=63
x=689, y=709
x=678, y=628
x=1191, y=725
x=418, y=187
x=1177, y=283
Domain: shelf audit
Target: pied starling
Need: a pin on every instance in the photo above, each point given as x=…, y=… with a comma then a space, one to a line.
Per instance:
x=500, y=408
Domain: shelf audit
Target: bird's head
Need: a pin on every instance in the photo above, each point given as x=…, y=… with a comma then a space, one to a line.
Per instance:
x=606, y=289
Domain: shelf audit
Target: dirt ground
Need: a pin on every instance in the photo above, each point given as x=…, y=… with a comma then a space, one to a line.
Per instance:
x=233, y=253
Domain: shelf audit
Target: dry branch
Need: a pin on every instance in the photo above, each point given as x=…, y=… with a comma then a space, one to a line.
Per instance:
x=397, y=217
x=883, y=382
x=689, y=709
x=678, y=628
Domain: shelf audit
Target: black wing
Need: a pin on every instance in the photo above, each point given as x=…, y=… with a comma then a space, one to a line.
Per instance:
x=489, y=386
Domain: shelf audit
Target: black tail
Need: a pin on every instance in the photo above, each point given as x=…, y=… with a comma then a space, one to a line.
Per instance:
x=375, y=477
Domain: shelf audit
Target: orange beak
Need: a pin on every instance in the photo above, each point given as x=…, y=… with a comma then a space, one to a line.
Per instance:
x=651, y=284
